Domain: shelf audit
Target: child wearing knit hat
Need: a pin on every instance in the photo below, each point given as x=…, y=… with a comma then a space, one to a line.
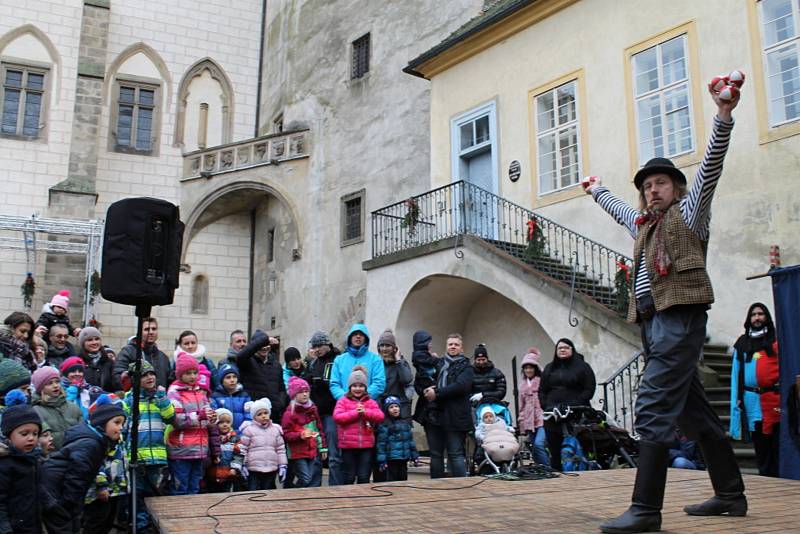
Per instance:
x=13, y=375
x=395, y=445
x=356, y=416
x=20, y=497
x=110, y=485
x=293, y=365
x=265, y=451
x=224, y=477
x=55, y=312
x=75, y=386
x=51, y=403
x=69, y=472
x=195, y=437
x=230, y=394
x=155, y=413
x=302, y=429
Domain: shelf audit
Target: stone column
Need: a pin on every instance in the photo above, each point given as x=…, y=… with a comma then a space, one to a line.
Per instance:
x=75, y=197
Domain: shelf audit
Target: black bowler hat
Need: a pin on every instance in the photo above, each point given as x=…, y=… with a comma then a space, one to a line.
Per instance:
x=658, y=166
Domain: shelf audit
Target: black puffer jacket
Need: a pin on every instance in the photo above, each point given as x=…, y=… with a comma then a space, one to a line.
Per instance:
x=318, y=376
x=20, y=498
x=101, y=373
x=262, y=378
x=568, y=381
x=68, y=472
x=452, y=397
x=490, y=381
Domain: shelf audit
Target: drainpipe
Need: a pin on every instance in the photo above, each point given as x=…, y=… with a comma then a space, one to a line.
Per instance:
x=252, y=274
x=260, y=63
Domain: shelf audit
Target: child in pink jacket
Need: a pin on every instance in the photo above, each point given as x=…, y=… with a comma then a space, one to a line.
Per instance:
x=357, y=418
x=264, y=448
x=531, y=421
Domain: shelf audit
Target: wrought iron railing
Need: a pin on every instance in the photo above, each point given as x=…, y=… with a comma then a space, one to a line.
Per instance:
x=620, y=390
x=462, y=208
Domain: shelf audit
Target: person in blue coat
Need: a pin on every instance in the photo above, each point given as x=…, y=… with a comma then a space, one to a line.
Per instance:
x=230, y=394
x=358, y=353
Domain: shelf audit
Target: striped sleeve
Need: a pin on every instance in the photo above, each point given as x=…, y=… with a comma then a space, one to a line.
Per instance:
x=696, y=206
x=617, y=208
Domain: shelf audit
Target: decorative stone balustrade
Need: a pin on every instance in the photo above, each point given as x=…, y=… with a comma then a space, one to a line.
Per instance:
x=266, y=150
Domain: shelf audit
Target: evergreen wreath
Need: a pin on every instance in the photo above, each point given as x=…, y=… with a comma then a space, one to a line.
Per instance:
x=411, y=218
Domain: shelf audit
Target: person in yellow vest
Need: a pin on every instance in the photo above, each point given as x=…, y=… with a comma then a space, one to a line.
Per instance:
x=669, y=299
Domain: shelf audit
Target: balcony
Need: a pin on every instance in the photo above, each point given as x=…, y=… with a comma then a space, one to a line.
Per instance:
x=266, y=150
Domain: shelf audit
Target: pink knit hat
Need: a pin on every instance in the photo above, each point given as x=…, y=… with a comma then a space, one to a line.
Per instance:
x=297, y=385
x=532, y=358
x=42, y=376
x=185, y=363
x=61, y=299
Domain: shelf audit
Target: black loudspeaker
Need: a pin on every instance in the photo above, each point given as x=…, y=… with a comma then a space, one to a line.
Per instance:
x=141, y=252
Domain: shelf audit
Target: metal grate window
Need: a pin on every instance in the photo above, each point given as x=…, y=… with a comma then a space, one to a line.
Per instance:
x=352, y=219
x=360, y=57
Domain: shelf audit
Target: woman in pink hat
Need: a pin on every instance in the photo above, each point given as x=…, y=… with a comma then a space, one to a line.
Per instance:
x=531, y=421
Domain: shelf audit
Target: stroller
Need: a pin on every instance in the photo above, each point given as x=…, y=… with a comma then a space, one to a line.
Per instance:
x=591, y=442
x=496, y=449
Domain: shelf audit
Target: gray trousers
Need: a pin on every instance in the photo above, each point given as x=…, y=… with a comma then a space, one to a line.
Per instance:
x=670, y=392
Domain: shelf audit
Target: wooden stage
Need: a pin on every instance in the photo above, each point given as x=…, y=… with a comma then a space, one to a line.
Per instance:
x=562, y=505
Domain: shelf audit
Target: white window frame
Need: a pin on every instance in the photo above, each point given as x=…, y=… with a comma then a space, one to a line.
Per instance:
x=489, y=109
x=556, y=131
x=26, y=68
x=660, y=91
x=766, y=50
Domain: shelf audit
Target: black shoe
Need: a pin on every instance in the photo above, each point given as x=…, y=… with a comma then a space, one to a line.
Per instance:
x=725, y=478
x=644, y=514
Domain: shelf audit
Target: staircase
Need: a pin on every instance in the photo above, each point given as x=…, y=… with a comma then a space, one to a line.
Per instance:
x=717, y=358
x=461, y=208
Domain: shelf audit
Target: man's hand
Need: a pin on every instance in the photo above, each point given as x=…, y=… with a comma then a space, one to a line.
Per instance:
x=476, y=397
x=430, y=394
x=590, y=183
x=102, y=495
x=725, y=107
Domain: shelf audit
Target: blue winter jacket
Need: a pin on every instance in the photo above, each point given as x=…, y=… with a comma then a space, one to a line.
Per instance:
x=234, y=402
x=395, y=441
x=752, y=400
x=349, y=358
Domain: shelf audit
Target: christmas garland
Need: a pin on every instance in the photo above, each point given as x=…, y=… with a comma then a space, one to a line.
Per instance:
x=622, y=282
x=537, y=243
x=411, y=218
x=28, y=288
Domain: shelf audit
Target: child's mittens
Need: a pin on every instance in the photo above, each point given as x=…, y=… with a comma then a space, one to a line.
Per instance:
x=383, y=467
x=282, y=473
x=161, y=392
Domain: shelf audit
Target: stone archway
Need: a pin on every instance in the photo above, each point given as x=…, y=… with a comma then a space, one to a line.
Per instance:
x=443, y=304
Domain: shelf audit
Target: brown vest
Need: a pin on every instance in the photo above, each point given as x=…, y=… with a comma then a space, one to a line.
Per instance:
x=687, y=281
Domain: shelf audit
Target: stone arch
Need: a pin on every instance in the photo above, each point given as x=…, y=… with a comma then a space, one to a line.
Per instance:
x=226, y=99
x=150, y=53
x=29, y=29
x=443, y=303
x=194, y=223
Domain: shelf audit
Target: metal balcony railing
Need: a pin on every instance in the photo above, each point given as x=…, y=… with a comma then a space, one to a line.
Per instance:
x=462, y=208
x=620, y=390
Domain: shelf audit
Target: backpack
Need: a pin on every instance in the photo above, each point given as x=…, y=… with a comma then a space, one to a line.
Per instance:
x=573, y=458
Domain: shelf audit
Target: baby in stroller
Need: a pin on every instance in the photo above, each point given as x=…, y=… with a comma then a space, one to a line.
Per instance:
x=495, y=438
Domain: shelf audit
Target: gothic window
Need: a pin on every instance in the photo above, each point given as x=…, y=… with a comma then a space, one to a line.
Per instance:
x=200, y=294
x=135, y=117
x=23, y=100
x=352, y=218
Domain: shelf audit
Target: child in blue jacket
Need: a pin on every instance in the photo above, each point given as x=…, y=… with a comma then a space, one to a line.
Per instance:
x=395, y=444
x=230, y=394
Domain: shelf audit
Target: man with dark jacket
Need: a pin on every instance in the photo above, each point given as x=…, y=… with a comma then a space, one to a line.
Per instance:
x=490, y=382
x=451, y=393
x=262, y=374
x=151, y=353
x=58, y=348
x=318, y=375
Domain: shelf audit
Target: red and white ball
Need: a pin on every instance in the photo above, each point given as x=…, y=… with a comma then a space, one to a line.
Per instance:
x=736, y=78
x=718, y=83
x=729, y=92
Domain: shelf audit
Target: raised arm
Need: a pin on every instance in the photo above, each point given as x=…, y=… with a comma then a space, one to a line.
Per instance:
x=623, y=213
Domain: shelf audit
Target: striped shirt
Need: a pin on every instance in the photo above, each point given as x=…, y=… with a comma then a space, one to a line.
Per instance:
x=695, y=207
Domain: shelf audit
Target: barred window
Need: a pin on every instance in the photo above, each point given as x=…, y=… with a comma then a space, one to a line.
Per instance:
x=23, y=101
x=353, y=218
x=360, y=64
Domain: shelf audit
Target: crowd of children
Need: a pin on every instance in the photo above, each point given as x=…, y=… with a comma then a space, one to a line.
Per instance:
x=66, y=414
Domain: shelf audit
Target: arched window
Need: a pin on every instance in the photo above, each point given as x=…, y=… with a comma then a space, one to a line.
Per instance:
x=200, y=294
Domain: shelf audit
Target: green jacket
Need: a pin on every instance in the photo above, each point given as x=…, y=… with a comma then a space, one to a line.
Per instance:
x=59, y=414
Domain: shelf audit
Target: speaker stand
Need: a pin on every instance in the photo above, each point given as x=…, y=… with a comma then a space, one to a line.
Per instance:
x=142, y=312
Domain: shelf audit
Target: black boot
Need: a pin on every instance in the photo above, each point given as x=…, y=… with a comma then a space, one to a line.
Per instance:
x=725, y=478
x=644, y=514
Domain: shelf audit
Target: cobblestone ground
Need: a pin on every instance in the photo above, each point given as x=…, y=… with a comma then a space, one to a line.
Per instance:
x=563, y=505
